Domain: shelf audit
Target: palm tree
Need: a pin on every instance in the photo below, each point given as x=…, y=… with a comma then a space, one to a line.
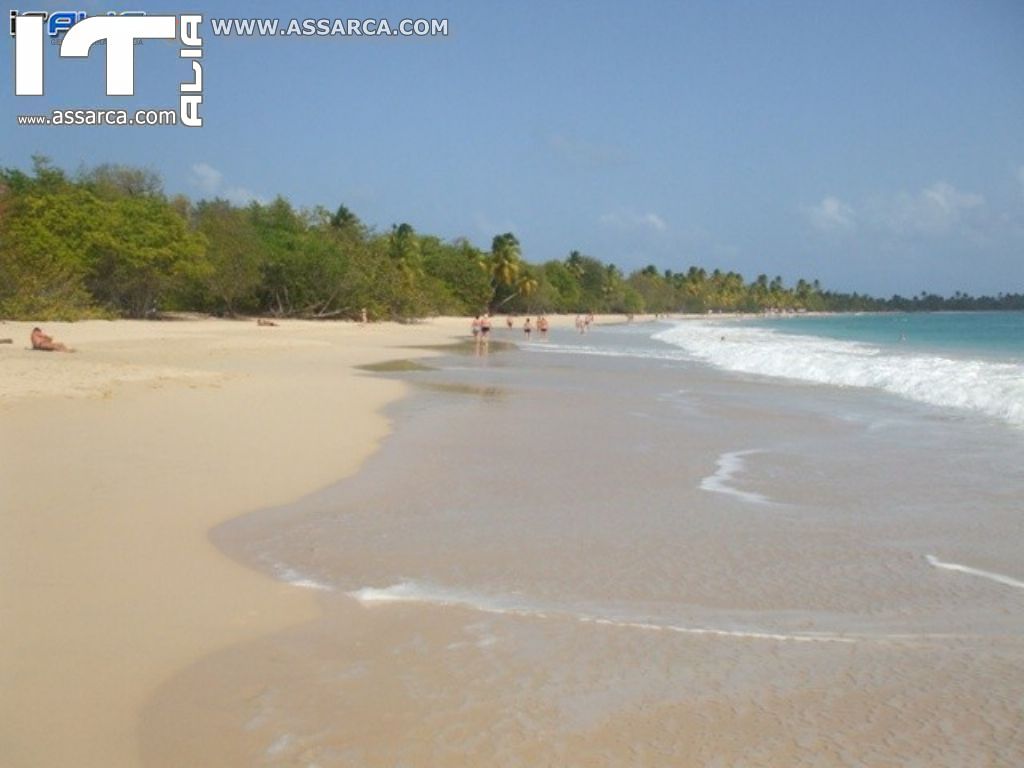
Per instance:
x=404, y=249
x=803, y=292
x=574, y=263
x=732, y=289
x=527, y=285
x=612, y=277
x=503, y=265
x=504, y=260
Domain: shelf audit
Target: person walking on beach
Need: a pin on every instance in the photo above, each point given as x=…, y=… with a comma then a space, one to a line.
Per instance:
x=485, y=326
x=527, y=328
x=44, y=343
x=508, y=321
x=475, y=327
x=542, y=326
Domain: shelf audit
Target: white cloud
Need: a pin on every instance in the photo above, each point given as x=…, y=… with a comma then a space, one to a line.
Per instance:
x=632, y=220
x=207, y=178
x=831, y=214
x=210, y=182
x=934, y=210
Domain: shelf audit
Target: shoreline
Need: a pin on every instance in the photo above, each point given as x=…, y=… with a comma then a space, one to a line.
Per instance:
x=128, y=619
x=129, y=452
x=497, y=612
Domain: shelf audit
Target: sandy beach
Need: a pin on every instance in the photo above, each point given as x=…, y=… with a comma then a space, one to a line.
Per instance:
x=653, y=563
x=117, y=460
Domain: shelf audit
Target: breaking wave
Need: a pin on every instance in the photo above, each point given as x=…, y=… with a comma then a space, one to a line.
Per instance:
x=991, y=388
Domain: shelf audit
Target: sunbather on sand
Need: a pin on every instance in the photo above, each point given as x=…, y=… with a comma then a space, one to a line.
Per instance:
x=46, y=343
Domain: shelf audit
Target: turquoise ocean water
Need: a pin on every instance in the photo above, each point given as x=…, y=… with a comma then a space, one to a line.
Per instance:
x=999, y=335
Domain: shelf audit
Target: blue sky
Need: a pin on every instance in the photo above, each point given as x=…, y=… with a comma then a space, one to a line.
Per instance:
x=876, y=146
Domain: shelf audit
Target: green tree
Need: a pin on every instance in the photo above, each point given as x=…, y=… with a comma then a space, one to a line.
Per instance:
x=109, y=181
x=232, y=268
x=458, y=285
x=43, y=238
x=141, y=245
x=286, y=274
x=564, y=284
x=502, y=267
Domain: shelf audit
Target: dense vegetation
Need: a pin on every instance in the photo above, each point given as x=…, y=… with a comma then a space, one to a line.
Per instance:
x=109, y=242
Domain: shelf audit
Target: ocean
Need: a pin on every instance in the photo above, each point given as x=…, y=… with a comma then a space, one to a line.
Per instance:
x=972, y=361
x=696, y=542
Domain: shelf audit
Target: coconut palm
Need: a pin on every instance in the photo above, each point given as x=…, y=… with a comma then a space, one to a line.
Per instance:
x=404, y=249
x=502, y=265
x=527, y=285
x=504, y=260
x=574, y=263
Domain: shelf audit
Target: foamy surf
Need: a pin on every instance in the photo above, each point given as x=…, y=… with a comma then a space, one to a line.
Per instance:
x=610, y=351
x=991, y=388
x=296, y=579
x=996, y=577
x=412, y=592
x=729, y=464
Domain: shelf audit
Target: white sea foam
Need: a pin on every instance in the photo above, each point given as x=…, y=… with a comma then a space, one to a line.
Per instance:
x=414, y=592
x=994, y=389
x=996, y=577
x=297, y=579
x=729, y=464
x=611, y=351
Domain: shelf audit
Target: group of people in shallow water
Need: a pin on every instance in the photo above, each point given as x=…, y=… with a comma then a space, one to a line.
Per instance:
x=541, y=327
x=481, y=327
x=583, y=322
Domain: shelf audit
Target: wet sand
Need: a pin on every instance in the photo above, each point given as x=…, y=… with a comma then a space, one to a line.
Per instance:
x=564, y=559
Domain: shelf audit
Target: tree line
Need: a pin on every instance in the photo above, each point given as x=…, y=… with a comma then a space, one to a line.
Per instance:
x=108, y=241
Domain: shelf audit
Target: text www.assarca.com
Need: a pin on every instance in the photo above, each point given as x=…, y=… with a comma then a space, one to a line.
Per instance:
x=236, y=27
x=140, y=117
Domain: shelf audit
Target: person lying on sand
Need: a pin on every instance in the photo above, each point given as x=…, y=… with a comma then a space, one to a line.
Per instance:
x=264, y=321
x=46, y=343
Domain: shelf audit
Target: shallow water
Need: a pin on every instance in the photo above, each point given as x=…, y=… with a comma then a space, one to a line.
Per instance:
x=600, y=549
